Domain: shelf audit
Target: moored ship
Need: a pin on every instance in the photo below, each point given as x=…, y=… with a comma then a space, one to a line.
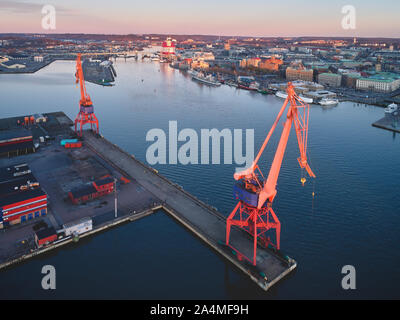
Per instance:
x=328, y=102
x=391, y=108
x=207, y=79
x=283, y=95
x=248, y=83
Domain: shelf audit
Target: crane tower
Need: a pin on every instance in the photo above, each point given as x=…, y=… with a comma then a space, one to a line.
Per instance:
x=86, y=110
x=253, y=213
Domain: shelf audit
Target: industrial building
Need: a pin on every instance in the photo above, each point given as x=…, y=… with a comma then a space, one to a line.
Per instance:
x=21, y=197
x=15, y=142
x=92, y=191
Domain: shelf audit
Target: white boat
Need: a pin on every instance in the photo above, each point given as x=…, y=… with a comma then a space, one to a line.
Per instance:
x=207, y=79
x=283, y=95
x=328, y=102
x=391, y=108
x=306, y=100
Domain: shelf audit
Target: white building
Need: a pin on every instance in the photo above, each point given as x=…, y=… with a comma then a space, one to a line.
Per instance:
x=377, y=85
x=78, y=227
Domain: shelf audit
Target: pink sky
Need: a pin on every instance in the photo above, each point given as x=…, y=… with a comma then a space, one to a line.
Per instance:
x=251, y=17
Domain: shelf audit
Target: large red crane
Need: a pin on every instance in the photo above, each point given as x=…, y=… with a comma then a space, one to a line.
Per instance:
x=254, y=212
x=86, y=109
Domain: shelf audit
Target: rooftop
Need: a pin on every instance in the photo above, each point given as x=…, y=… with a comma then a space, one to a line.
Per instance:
x=45, y=233
x=19, y=196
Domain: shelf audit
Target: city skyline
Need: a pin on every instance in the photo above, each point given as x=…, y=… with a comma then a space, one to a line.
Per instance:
x=234, y=18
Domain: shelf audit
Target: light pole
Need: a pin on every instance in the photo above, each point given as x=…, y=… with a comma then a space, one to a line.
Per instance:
x=115, y=198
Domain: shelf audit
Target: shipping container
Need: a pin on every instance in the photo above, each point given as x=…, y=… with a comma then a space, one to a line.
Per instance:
x=73, y=145
x=64, y=141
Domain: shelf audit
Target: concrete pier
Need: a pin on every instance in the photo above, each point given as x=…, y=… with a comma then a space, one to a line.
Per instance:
x=201, y=219
x=389, y=122
x=59, y=169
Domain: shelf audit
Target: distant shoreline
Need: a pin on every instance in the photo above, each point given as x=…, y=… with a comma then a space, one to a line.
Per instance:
x=30, y=70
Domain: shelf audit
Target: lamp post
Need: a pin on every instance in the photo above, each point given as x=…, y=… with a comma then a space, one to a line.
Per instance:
x=115, y=198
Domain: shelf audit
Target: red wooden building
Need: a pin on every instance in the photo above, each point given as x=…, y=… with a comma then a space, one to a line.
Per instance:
x=96, y=189
x=45, y=236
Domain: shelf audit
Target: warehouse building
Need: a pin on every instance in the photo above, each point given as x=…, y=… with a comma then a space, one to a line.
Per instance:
x=16, y=142
x=92, y=191
x=21, y=197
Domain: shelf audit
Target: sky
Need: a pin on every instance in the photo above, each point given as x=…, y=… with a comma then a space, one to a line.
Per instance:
x=285, y=18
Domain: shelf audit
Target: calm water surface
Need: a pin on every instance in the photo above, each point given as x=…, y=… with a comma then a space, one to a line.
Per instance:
x=354, y=219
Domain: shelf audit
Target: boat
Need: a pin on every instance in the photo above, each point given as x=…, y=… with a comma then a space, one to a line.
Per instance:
x=283, y=95
x=266, y=91
x=231, y=83
x=328, y=102
x=248, y=83
x=207, y=79
x=306, y=100
x=391, y=108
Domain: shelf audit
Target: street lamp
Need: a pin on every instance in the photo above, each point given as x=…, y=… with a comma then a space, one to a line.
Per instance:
x=115, y=198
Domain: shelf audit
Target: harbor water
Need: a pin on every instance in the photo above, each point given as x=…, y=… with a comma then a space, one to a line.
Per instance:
x=354, y=218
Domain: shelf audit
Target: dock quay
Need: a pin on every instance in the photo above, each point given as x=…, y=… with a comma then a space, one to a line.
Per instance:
x=388, y=122
x=141, y=191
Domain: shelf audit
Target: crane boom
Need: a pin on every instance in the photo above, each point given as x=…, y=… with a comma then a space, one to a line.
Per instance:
x=255, y=194
x=85, y=98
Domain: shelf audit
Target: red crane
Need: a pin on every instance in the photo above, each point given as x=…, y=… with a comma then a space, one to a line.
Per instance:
x=86, y=109
x=254, y=212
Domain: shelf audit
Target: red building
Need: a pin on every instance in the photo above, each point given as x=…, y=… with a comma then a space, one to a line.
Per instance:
x=21, y=197
x=96, y=189
x=45, y=236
